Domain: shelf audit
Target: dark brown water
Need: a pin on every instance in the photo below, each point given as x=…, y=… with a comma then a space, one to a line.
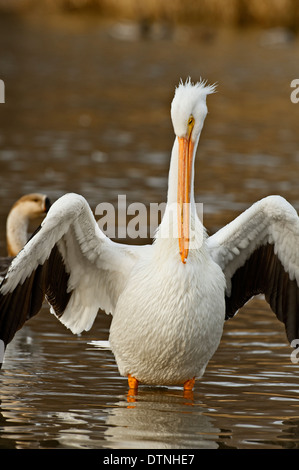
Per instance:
x=87, y=110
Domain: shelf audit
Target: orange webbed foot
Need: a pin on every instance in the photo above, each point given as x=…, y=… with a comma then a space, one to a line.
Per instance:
x=133, y=383
x=189, y=385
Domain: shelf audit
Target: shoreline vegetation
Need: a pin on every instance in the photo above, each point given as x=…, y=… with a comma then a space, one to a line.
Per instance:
x=230, y=13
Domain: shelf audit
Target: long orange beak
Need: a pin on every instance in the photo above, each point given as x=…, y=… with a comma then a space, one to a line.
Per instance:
x=186, y=149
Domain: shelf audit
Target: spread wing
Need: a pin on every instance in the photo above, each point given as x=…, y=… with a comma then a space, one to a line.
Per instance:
x=70, y=262
x=259, y=254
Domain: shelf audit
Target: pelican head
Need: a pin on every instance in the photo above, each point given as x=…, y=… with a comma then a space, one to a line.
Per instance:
x=33, y=205
x=27, y=208
x=188, y=113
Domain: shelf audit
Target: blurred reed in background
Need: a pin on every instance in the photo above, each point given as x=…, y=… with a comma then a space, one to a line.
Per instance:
x=264, y=13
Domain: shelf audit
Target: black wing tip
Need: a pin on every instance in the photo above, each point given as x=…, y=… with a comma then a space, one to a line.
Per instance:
x=25, y=301
x=263, y=273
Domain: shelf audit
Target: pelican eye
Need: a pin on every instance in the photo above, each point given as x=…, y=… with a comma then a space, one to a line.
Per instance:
x=191, y=121
x=190, y=125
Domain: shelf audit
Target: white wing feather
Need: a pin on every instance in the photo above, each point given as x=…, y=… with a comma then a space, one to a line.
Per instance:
x=271, y=220
x=98, y=267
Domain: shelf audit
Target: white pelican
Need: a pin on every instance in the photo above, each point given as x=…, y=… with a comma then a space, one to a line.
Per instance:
x=27, y=208
x=168, y=300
